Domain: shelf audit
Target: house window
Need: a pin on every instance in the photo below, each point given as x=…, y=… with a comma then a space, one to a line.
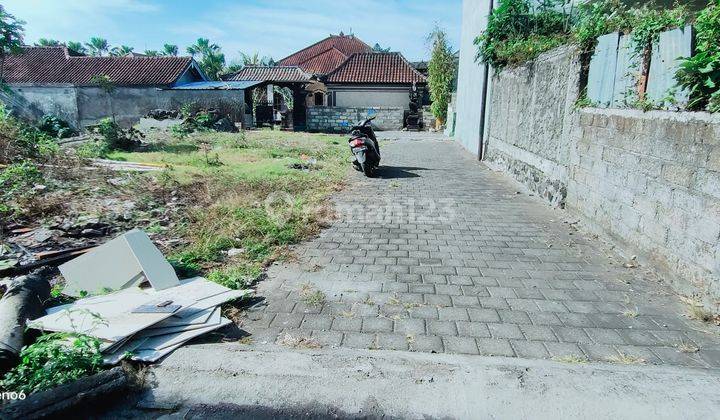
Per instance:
x=319, y=99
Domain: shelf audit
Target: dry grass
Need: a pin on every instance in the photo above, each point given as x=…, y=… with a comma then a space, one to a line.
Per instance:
x=311, y=296
x=687, y=347
x=629, y=313
x=572, y=359
x=299, y=342
x=626, y=359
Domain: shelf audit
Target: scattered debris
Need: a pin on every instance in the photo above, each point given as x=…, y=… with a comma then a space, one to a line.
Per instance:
x=571, y=358
x=687, y=347
x=630, y=313
x=311, y=296
x=626, y=359
x=22, y=300
x=134, y=258
x=632, y=263
x=162, y=114
x=146, y=312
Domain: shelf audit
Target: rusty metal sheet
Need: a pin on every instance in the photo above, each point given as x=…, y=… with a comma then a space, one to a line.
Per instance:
x=601, y=76
x=664, y=63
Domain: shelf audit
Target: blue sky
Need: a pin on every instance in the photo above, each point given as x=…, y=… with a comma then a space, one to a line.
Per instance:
x=272, y=27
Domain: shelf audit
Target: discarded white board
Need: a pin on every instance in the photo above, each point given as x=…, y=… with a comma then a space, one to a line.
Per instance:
x=107, y=317
x=123, y=262
x=110, y=317
x=198, y=318
x=160, y=342
x=151, y=332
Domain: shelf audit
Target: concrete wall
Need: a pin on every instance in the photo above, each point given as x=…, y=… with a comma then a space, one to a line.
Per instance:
x=32, y=102
x=651, y=181
x=530, y=121
x=470, y=76
x=129, y=104
x=341, y=119
x=370, y=96
x=82, y=106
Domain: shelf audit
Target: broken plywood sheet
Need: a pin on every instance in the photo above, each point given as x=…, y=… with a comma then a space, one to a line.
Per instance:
x=123, y=262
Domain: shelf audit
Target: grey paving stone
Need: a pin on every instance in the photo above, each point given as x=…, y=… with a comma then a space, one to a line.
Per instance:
x=529, y=349
x=483, y=315
x=505, y=331
x=453, y=314
x=445, y=328
x=604, y=336
x=538, y=333
x=514, y=317
x=572, y=335
x=328, y=338
x=410, y=326
x=472, y=329
x=347, y=324
x=462, y=345
x=392, y=341
x=427, y=343
x=359, y=340
x=494, y=347
x=560, y=350
x=373, y=325
x=284, y=320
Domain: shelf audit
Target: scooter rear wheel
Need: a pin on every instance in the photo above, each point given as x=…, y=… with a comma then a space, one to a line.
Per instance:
x=368, y=170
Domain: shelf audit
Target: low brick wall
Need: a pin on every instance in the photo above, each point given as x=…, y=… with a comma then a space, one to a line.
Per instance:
x=652, y=179
x=339, y=119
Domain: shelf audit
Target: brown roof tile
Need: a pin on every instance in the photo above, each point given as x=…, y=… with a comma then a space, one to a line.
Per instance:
x=382, y=68
x=344, y=44
x=54, y=65
x=324, y=62
x=272, y=74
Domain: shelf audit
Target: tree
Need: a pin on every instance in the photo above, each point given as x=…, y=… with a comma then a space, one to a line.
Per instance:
x=255, y=60
x=170, y=49
x=44, y=42
x=76, y=47
x=441, y=73
x=152, y=53
x=212, y=60
x=98, y=46
x=121, y=51
x=11, y=38
x=378, y=48
x=202, y=47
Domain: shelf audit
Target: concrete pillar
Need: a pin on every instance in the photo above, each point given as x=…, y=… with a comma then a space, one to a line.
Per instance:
x=270, y=95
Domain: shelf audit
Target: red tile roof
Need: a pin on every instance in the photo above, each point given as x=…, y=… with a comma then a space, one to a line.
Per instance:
x=271, y=74
x=381, y=68
x=324, y=62
x=54, y=65
x=325, y=52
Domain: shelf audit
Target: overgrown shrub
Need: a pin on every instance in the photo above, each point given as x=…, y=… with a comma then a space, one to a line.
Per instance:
x=596, y=18
x=54, y=359
x=17, y=181
x=55, y=127
x=700, y=74
x=517, y=30
x=112, y=137
x=20, y=141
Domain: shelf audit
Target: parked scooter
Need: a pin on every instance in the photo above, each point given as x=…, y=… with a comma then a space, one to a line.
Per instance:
x=365, y=148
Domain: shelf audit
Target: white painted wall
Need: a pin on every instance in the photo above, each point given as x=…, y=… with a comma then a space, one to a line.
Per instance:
x=371, y=96
x=470, y=76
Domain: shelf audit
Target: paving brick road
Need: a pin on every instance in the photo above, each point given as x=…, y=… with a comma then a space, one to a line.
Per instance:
x=441, y=254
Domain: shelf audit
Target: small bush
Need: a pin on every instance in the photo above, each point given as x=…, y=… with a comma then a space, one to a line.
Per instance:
x=117, y=138
x=19, y=178
x=54, y=359
x=55, y=127
x=93, y=149
x=237, y=277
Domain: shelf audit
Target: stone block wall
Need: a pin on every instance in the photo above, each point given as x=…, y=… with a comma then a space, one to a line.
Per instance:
x=652, y=180
x=531, y=122
x=340, y=119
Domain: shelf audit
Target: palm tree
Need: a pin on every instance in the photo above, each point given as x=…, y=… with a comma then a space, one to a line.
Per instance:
x=98, y=46
x=213, y=64
x=121, y=51
x=152, y=53
x=76, y=47
x=255, y=59
x=44, y=42
x=203, y=47
x=170, y=49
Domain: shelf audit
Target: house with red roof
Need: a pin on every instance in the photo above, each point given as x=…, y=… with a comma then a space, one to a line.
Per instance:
x=342, y=70
x=57, y=81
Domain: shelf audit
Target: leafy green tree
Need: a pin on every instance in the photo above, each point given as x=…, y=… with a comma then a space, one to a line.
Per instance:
x=98, y=46
x=152, y=53
x=212, y=60
x=11, y=37
x=45, y=42
x=76, y=47
x=121, y=51
x=255, y=59
x=442, y=70
x=170, y=49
